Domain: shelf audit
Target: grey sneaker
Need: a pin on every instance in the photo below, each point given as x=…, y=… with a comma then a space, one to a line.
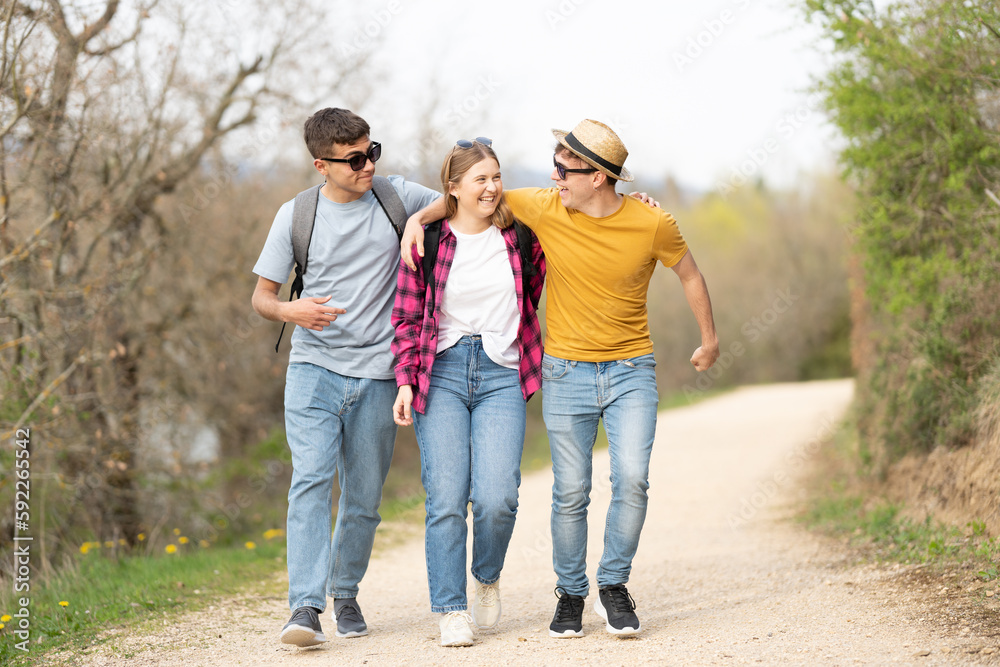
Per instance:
x=303, y=628
x=350, y=622
x=617, y=608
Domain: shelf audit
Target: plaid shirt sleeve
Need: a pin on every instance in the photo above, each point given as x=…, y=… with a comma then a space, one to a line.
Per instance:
x=407, y=319
x=529, y=333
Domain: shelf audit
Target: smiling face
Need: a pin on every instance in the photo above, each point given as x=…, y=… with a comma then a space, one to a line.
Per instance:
x=576, y=189
x=478, y=191
x=344, y=184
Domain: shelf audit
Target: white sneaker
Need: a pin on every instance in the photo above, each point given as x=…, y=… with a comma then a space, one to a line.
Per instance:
x=486, y=606
x=456, y=629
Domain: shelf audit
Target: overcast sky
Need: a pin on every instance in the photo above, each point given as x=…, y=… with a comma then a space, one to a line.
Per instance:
x=698, y=91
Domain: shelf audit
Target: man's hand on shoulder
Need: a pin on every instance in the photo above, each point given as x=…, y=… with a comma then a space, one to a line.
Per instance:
x=645, y=199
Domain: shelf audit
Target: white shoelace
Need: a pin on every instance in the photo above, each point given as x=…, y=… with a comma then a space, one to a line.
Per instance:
x=488, y=595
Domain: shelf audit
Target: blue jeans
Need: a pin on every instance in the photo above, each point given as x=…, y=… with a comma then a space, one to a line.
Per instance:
x=334, y=425
x=471, y=437
x=575, y=396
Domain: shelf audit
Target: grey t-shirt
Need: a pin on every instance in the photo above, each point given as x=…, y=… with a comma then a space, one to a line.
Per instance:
x=353, y=256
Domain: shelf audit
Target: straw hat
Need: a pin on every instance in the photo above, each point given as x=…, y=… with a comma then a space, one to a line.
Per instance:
x=596, y=144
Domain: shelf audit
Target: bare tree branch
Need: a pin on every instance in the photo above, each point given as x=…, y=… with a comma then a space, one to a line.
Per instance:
x=18, y=253
x=98, y=26
x=989, y=27
x=55, y=384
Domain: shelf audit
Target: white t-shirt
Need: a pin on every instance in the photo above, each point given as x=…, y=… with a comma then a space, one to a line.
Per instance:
x=480, y=298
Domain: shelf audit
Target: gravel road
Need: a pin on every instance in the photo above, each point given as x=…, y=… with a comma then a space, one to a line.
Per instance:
x=721, y=577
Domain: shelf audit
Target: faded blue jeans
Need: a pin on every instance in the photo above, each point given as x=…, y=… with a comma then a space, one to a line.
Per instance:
x=471, y=436
x=575, y=396
x=335, y=425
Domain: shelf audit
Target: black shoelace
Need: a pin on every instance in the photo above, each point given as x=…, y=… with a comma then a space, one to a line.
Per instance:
x=621, y=601
x=569, y=608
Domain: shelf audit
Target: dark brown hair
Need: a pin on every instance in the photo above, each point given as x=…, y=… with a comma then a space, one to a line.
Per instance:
x=332, y=126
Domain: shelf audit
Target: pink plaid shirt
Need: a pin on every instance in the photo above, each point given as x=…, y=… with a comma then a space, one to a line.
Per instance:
x=415, y=343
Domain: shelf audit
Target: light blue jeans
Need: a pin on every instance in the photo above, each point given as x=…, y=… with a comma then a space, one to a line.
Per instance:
x=335, y=425
x=575, y=396
x=471, y=436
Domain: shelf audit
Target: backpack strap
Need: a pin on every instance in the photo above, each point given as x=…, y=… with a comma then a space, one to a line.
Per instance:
x=524, y=246
x=528, y=268
x=432, y=239
x=390, y=202
x=303, y=218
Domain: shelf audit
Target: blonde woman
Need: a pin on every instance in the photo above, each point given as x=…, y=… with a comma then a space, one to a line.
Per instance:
x=469, y=350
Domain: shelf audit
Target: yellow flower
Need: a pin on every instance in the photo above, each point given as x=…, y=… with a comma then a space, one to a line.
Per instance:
x=63, y=603
x=5, y=618
x=203, y=544
x=109, y=544
x=177, y=531
x=183, y=540
x=170, y=548
x=2, y=626
x=122, y=542
x=85, y=547
x=141, y=537
x=273, y=533
x=250, y=545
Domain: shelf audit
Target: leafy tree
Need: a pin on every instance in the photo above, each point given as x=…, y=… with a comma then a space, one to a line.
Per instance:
x=915, y=90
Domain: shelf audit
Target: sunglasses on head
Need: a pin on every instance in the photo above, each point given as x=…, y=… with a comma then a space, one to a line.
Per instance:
x=562, y=171
x=357, y=162
x=465, y=143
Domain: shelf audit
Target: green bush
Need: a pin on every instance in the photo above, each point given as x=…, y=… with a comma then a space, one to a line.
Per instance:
x=916, y=96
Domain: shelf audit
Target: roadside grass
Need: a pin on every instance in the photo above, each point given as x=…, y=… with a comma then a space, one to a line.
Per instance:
x=845, y=503
x=72, y=609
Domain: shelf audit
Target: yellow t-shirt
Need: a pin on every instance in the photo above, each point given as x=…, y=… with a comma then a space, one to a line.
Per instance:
x=597, y=272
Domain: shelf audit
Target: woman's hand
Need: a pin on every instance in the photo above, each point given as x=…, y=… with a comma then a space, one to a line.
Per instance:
x=401, y=408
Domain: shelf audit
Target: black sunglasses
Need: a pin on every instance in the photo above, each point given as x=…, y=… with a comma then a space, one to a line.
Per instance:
x=465, y=143
x=357, y=162
x=562, y=171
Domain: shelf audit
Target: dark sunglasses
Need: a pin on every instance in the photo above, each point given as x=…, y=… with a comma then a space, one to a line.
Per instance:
x=465, y=143
x=562, y=171
x=357, y=162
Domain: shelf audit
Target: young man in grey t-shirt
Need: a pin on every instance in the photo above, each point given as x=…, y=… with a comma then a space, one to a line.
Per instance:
x=340, y=386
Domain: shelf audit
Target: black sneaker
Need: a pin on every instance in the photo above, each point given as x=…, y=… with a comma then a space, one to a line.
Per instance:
x=568, y=621
x=303, y=628
x=617, y=608
x=350, y=622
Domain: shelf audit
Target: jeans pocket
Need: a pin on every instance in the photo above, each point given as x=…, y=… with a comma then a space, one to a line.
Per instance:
x=645, y=361
x=553, y=368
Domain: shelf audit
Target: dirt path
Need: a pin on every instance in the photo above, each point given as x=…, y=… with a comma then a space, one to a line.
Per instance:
x=720, y=578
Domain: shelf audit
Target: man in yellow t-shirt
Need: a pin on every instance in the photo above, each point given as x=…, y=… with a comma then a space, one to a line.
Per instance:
x=600, y=249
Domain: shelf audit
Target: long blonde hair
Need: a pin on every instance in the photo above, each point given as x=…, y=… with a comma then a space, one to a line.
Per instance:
x=461, y=160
